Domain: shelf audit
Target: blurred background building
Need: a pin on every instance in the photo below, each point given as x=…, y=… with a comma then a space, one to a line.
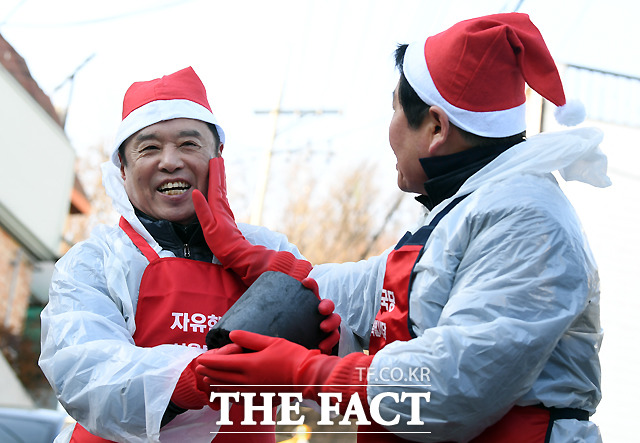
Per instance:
x=35, y=203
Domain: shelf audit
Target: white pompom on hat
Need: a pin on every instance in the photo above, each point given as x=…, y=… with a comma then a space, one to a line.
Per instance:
x=177, y=95
x=476, y=72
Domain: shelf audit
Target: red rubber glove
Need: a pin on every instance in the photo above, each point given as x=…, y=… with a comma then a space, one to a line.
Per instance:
x=226, y=241
x=288, y=366
x=276, y=362
x=191, y=391
x=331, y=324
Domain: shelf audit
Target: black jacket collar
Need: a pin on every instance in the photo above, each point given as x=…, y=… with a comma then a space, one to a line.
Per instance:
x=447, y=173
x=185, y=241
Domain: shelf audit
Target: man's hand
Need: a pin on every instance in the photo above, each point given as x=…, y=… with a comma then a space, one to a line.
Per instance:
x=331, y=324
x=191, y=391
x=226, y=241
x=277, y=365
x=271, y=365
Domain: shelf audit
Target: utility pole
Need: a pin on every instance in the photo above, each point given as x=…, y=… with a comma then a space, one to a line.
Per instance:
x=261, y=188
x=71, y=79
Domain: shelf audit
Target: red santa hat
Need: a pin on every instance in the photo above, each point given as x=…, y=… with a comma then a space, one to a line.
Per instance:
x=177, y=95
x=477, y=69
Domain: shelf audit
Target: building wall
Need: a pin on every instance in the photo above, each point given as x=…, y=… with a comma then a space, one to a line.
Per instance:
x=33, y=204
x=16, y=268
x=35, y=187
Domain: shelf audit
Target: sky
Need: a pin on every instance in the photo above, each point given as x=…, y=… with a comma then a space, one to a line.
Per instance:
x=329, y=55
x=334, y=57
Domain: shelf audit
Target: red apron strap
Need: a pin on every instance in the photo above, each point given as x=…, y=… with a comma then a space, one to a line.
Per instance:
x=81, y=435
x=137, y=240
x=525, y=424
x=522, y=424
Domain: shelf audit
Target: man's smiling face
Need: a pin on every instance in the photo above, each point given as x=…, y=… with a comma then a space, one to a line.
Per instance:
x=164, y=163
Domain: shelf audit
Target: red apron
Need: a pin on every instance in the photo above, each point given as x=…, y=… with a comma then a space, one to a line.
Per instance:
x=521, y=424
x=179, y=301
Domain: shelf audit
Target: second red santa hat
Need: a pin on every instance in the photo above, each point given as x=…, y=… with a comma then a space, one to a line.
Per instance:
x=477, y=69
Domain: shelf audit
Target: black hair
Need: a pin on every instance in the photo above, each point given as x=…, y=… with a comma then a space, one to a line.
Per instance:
x=416, y=110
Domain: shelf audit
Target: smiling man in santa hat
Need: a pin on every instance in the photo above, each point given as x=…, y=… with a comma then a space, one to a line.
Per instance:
x=483, y=324
x=130, y=307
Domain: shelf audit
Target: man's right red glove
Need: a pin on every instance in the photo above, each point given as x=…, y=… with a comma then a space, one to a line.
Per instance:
x=191, y=391
x=226, y=241
x=277, y=365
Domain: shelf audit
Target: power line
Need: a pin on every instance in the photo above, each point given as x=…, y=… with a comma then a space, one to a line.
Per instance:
x=71, y=80
x=13, y=11
x=96, y=20
x=261, y=189
x=507, y=8
x=518, y=6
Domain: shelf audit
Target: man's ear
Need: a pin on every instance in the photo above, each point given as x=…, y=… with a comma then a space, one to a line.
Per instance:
x=440, y=128
x=122, y=174
x=220, y=148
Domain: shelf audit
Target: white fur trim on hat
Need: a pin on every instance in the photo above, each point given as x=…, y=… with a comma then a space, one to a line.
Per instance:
x=157, y=111
x=502, y=123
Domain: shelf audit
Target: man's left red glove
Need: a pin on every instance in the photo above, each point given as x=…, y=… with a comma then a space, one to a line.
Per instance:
x=226, y=241
x=249, y=261
x=278, y=365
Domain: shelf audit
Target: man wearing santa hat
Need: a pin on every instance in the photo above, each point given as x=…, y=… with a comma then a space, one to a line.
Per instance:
x=130, y=307
x=483, y=323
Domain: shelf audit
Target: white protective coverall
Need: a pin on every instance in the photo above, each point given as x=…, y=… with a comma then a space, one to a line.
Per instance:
x=505, y=302
x=102, y=379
